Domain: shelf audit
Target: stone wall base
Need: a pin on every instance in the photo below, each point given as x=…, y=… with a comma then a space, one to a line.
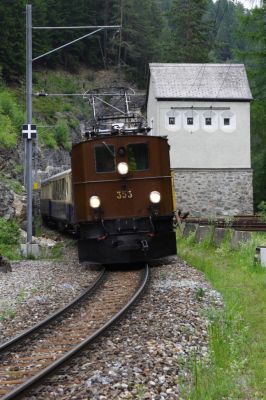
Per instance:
x=214, y=192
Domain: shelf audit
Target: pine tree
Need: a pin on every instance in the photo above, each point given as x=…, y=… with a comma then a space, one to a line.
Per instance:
x=226, y=17
x=140, y=39
x=12, y=43
x=254, y=56
x=188, y=32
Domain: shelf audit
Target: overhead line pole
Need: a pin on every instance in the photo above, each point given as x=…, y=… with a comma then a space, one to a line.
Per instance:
x=29, y=94
x=29, y=119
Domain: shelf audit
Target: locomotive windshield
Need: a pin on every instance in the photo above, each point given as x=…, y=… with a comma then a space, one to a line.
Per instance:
x=138, y=157
x=137, y=154
x=105, y=158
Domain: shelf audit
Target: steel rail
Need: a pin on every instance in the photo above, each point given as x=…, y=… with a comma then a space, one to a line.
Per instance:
x=70, y=354
x=252, y=223
x=5, y=346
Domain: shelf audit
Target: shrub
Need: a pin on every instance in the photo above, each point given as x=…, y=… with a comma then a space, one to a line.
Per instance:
x=262, y=211
x=8, y=137
x=47, y=137
x=10, y=108
x=62, y=133
x=13, y=184
x=9, y=232
x=11, y=119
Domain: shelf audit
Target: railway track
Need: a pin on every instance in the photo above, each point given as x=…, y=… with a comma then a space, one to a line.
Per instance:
x=252, y=223
x=29, y=358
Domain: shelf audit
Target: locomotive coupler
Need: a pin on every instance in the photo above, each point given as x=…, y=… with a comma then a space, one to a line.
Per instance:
x=144, y=245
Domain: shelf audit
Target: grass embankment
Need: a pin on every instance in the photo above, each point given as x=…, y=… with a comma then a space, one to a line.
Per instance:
x=237, y=368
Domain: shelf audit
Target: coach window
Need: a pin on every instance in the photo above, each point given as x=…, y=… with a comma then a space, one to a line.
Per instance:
x=105, y=158
x=138, y=156
x=59, y=189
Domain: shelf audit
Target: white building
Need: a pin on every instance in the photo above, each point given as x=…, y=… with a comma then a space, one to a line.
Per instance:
x=204, y=109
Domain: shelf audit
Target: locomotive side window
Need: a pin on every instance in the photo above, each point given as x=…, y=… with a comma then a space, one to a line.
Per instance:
x=105, y=158
x=138, y=156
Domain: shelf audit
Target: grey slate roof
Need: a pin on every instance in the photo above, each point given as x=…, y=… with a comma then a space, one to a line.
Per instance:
x=200, y=81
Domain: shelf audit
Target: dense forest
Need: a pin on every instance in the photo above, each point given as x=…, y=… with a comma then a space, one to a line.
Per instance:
x=152, y=31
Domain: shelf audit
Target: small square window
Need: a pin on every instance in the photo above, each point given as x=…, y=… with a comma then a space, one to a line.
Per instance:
x=190, y=121
x=226, y=121
x=208, y=121
x=171, y=120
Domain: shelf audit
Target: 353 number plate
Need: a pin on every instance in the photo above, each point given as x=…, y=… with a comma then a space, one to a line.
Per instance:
x=124, y=194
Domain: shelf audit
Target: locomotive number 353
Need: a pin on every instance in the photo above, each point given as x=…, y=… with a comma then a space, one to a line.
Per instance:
x=124, y=194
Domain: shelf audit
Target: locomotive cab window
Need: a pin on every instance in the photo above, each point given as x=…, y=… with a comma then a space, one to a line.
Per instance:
x=138, y=156
x=105, y=158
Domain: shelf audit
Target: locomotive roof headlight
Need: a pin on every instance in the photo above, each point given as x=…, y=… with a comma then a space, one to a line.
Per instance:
x=122, y=168
x=155, y=197
x=95, y=202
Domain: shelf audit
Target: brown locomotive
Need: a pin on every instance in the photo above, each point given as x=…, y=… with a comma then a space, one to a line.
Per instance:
x=123, y=198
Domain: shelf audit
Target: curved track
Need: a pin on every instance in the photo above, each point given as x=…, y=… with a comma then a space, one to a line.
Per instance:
x=31, y=357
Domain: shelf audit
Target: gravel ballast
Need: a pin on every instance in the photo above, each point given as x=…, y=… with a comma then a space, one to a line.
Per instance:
x=146, y=355
x=35, y=289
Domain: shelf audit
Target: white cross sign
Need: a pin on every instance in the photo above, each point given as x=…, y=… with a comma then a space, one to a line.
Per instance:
x=29, y=131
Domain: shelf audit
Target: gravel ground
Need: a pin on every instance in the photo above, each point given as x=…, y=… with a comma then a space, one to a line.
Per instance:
x=35, y=289
x=145, y=356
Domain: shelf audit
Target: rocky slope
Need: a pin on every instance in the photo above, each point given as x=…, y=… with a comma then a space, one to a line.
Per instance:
x=47, y=161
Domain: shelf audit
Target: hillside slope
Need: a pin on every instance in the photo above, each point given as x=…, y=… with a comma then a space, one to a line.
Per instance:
x=60, y=122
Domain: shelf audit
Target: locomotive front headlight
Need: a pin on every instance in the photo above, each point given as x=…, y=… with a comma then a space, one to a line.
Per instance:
x=95, y=202
x=122, y=168
x=155, y=197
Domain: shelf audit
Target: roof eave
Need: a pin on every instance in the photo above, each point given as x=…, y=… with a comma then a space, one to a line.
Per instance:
x=241, y=99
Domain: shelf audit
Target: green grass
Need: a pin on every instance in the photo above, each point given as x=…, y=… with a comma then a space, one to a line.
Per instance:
x=237, y=368
x=22, y=295
x=55, y=253
x=9, y=313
